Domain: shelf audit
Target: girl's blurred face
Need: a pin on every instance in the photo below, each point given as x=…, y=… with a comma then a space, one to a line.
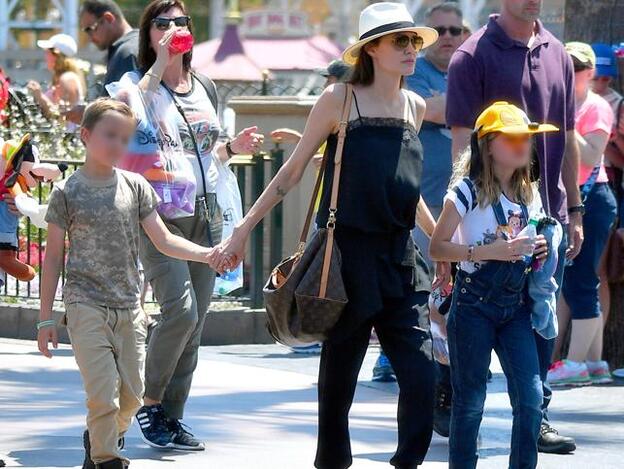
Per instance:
x=156, y=33
x=50, y=59
x=107, y=142
x=511, y=151
x=397, y=52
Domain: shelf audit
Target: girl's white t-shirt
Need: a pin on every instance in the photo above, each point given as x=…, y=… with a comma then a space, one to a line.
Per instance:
x=478, y=225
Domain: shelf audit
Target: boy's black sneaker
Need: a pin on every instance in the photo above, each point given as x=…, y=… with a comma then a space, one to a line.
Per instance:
x=88, y=463
x=551, y=442
x=114, y=464
x=153, y=424
x=183, y=439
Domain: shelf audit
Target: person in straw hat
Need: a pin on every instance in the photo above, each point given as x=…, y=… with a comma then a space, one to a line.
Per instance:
x=385, y=276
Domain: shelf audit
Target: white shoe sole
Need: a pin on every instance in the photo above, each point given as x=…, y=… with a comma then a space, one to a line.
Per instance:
x=154, y=445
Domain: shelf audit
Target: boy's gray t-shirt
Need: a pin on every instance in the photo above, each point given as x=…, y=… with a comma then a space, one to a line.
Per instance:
x=102, y=219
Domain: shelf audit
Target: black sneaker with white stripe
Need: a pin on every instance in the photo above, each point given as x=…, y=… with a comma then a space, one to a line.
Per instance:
x=183, y=439
x=153, y=424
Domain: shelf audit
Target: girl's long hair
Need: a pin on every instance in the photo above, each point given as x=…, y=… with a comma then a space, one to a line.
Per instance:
x=64, y=64
x=488, y=187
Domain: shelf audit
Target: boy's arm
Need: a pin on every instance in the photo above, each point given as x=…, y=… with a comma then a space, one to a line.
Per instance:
x=49, y=281
x=170, y=244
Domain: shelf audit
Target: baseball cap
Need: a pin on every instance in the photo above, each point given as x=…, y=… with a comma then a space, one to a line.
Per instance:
x=508, y=119
x=64, y=43
x=606, y=62
x=336, y=68
x=582, y=52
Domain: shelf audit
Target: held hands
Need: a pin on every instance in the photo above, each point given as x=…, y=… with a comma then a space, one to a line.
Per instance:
x=45, y=336
x=230, y=253
x=35, y=88
x=247, y=141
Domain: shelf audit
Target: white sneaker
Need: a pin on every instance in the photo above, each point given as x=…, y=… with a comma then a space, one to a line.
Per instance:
x=599, y=372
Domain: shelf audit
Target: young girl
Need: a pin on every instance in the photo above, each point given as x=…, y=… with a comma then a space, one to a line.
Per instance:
x=486, y=208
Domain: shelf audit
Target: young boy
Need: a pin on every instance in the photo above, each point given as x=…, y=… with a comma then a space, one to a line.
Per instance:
x=100, y=208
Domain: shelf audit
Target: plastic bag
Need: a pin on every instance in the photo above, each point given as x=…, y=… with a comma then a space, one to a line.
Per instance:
x=230, y=202
x=156, y=150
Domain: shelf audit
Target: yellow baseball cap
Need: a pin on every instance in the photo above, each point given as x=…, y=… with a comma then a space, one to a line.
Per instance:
x=508, y=119
x=582, y=52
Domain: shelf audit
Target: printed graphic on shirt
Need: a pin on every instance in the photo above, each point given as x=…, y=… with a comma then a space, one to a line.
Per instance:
x=205, y=129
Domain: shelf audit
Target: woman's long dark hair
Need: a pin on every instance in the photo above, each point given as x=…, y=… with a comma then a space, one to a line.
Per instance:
x=364, y=70
x=147, y=55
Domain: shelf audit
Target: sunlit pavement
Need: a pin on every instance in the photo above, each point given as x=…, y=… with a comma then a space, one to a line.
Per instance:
x=255, y=406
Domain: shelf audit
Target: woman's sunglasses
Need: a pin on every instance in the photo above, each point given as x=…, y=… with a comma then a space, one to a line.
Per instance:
x=454, y=30
x=403, y=40
x=162, y=24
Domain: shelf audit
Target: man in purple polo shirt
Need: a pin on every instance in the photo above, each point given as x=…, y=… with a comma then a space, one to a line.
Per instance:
x=514, y=58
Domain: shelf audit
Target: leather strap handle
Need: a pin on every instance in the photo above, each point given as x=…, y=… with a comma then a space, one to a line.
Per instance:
x=333, y=204
x=346, y=109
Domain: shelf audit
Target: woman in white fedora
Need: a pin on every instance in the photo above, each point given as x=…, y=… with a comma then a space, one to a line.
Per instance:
x=379, y=202
x=68, y=86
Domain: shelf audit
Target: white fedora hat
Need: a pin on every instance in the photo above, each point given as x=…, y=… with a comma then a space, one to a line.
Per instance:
x=63, y=43
x=380, y=19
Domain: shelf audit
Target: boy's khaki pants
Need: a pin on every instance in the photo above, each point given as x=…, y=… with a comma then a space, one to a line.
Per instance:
x=109, y=347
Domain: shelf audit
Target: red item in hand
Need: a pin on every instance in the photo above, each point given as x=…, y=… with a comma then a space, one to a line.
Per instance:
x=181, y=43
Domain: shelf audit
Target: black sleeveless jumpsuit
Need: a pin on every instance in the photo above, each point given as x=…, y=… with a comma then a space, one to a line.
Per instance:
x=387, y=284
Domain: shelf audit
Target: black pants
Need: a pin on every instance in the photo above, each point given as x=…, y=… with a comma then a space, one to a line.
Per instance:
x=403, y=331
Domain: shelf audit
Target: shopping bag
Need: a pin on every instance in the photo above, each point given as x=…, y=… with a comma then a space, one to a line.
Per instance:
x=230, y=203
x=156, y=150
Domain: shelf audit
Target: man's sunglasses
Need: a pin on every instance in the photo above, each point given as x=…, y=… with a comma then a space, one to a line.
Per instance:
x=88, y=30
x=454, y=30
x=402, y=41
x=162, y=24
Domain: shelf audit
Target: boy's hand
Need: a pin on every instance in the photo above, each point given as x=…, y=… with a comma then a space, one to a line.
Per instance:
x=44, y=337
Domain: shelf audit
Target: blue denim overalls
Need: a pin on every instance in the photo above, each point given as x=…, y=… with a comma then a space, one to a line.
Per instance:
x=489, y=312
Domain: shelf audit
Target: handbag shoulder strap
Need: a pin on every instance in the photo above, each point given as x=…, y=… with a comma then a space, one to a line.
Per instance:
x=342, y=132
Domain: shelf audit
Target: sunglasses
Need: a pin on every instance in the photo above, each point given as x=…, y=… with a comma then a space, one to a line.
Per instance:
x=402, y=41
x=88, y=30
x=453, y=30
x=162, y=24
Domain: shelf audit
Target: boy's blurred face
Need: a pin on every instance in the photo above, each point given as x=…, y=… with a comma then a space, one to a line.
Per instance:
x=107, y=142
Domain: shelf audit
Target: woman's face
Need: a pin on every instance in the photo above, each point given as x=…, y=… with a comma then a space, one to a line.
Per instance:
x=511, y=151
x=50, y=59
x=396, y=53
x=156, y=34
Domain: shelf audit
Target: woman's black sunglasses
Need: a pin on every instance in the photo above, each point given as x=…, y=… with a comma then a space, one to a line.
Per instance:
x=403, y=40
x=454, y=30
x=162, y=24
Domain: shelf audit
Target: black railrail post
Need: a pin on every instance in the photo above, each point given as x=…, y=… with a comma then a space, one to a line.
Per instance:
x=277, y=215
x=257, y=236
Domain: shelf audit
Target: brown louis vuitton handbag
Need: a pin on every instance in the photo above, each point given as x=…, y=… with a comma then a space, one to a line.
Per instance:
x=305, y=294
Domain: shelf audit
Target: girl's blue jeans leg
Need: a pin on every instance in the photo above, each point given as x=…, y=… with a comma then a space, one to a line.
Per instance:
x=515, y=347
x=470, y=354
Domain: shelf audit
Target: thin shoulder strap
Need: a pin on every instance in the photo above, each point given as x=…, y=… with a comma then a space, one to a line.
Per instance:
x=337, y=164
x=357, y=107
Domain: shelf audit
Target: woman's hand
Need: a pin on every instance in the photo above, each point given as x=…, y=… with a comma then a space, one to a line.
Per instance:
x=10, y=201
x=442, y=275
x=506, y=250
x=46, y=336
x=230, y=253
x=35, y=88
x=163, y=56
x=541, y=247
x=247, y=141
x=289, y=136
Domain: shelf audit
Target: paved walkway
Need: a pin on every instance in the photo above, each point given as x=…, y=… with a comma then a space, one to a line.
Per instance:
x=256, y=408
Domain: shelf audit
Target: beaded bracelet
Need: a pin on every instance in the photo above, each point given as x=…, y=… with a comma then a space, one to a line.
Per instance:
x=46, y=323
